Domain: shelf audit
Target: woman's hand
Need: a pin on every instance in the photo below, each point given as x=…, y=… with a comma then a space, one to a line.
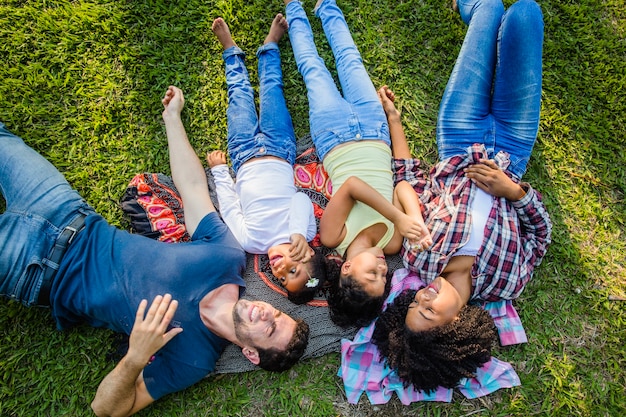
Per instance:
x=490, y=178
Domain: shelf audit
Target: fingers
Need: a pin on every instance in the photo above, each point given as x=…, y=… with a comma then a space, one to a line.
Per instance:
x=171, y=93
x=160, y=313
x=215, y=158
x=297, y=251
x=385, y=93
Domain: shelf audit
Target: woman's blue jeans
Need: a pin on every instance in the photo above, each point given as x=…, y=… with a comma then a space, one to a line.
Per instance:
x=39, y=204
x=493, y=95
x=269, y=134
x=335, y=119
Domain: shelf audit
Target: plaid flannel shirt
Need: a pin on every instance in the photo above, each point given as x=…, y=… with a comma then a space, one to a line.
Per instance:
x=518, y=231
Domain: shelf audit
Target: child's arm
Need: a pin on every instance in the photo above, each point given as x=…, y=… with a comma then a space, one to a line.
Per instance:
x=302, y=227
x=399, y=146
x=332, y=223
x=405, y=198
x=229, y=203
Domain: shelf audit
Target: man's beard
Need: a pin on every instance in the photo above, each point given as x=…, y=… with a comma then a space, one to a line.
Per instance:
x=240, y=327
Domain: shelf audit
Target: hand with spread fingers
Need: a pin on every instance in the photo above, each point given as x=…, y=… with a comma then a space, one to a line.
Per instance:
x=150, y=332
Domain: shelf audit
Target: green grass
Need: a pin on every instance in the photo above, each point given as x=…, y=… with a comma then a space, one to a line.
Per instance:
x=81, y=81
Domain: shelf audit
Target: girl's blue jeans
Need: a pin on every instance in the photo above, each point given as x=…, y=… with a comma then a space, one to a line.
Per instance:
x=335, y=119
x=493, y=95
x=271, y=132
x=39, y=204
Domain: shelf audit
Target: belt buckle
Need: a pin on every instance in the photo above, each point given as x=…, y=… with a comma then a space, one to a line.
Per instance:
x=74, y=231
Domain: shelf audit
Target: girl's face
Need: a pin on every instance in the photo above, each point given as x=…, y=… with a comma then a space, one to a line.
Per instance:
x=293, y=275
x=369, y=269
x=435, y=305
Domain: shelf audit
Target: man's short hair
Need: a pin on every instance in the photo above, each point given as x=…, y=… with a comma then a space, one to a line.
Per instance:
x=277, y=360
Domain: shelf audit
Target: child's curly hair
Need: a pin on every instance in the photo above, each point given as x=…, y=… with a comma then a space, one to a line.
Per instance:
x=441, y=356
x=321, y=269
x=349, y=305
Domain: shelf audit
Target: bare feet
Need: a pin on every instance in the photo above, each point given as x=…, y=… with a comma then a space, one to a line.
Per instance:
x=220, y=28
x=277, y=30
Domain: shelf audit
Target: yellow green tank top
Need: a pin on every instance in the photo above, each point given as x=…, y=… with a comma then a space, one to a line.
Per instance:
x=371, y=162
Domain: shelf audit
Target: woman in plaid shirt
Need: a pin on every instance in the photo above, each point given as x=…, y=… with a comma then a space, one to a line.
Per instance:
x=489, y=229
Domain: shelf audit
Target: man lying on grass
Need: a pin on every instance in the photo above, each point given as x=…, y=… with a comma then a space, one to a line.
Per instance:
x=58, y=252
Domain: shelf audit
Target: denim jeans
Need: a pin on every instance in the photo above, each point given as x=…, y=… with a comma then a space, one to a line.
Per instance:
x=269, y=134
x=39, y=204
x=493, y=95
x=334, y=119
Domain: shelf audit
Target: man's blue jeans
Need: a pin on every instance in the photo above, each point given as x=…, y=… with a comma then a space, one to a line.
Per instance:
x=39, y=204
x=269, y=134
x=493, y=95
x=334, y=119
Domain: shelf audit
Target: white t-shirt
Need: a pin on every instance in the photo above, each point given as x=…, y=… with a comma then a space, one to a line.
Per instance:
x=263, y=208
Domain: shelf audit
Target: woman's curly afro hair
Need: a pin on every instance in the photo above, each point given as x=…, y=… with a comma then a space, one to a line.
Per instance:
x=441, y=356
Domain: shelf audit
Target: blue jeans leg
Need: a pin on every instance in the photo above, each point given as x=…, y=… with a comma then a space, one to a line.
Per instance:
x=493, y=94
x=356, y=84
x=325, y=101
x=275, y=120
x=243, y=123
x=335, y=119
x=39, y=204
x=516, y=102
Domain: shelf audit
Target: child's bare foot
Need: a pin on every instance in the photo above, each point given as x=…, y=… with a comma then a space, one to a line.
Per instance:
x=277, y=30
x=221, y=30
x=317, y=5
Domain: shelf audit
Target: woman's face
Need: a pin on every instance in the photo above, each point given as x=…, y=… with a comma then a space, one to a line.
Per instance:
x=369, y=270
x=435, y=305
x=293, y=275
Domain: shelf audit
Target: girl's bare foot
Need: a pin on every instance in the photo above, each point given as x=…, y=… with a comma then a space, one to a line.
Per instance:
x=277, y=30
x=220, y=28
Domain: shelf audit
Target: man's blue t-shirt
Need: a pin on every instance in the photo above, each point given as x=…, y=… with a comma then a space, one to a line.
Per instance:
x=106, y=272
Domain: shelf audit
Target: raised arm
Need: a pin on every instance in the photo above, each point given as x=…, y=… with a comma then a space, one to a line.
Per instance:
x=399, y=147
x=123, y=391
x=187, y=170
x=332, y=223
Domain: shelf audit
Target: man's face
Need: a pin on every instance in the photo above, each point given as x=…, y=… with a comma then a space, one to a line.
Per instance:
x=260, y=325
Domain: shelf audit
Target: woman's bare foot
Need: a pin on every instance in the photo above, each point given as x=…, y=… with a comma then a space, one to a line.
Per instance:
x=221, y=30
x=277, y=30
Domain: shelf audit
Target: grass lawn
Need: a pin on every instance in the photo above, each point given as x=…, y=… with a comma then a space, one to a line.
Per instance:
x=82, y=80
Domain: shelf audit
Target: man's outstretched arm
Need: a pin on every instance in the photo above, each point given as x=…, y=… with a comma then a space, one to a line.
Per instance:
x=187, y=170
x=123, y=391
